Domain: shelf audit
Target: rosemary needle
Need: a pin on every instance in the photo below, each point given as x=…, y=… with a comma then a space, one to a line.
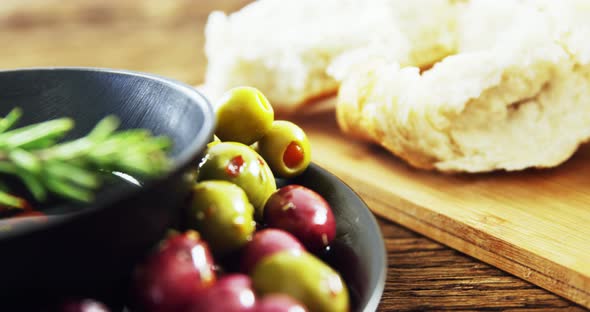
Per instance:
x=72, y=169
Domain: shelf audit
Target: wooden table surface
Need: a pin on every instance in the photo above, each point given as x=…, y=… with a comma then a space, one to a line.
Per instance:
x=166, y=37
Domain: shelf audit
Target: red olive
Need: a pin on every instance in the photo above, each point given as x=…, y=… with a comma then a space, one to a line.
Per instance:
x=265, y=243
x=174, y=274
x=304, y=213
x=279, y=303
x=232, y=293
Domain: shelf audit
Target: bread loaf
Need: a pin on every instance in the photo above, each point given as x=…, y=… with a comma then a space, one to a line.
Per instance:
x=515, y=94
x=283, y=47
x=472, y=85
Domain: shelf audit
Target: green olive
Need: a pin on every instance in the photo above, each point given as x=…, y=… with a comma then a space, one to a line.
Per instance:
x=243, y=115
x=221, y=212
x=214, y=141
x=286, y=149
x=305, y=278
x=240, y=164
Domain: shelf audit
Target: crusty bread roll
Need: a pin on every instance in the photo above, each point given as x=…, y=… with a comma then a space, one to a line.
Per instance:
x=515, y=94
x=283, y=47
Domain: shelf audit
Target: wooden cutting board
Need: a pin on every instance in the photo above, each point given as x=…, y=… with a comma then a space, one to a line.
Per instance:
x=533, y=224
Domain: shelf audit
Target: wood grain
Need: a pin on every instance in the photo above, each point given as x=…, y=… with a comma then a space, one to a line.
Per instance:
x=427, y=276
x=166, y=37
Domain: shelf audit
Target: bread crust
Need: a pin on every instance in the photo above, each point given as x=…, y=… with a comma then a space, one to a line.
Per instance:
x=301, y=107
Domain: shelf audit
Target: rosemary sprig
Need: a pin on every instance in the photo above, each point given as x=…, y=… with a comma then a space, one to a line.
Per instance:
x=72, y=169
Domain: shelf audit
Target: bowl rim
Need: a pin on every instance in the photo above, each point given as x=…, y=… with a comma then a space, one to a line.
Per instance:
x=187, y=156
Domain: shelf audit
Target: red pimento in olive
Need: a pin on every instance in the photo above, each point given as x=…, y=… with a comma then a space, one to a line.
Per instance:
x=232, y=293
x=174, y=274
x=265, y=243
x=293, y=155
x=304, y=213
x=234, y=166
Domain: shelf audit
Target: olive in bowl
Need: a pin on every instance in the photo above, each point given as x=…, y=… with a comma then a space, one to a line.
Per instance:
x=315, y=242
x=89, y=250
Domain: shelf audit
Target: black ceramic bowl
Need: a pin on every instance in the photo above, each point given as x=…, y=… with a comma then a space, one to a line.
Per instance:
x=90, y=250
